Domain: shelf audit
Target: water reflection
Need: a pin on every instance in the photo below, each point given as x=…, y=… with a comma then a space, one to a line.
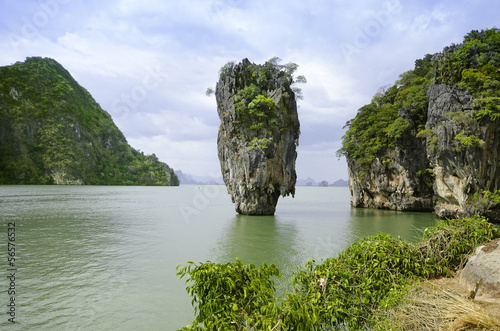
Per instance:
x=407, y=225
x=105, y=257
x=258, y=239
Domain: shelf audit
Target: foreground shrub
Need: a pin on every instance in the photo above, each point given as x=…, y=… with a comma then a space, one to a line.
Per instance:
x=231, y=296
x=342, y=291
x=447, y=245
x=339, y=293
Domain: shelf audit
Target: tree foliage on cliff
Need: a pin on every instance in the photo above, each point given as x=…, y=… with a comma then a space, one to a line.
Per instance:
x=50, y=124
x=378, y=126
x=401, y=110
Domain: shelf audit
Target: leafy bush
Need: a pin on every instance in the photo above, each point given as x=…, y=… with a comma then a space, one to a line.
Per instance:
x=451, y=241
x=339, y=293
x=430, y=137
x=475, y=66
x=399, y=128
x=342, y=291
x=231, y=296
x=467, y=141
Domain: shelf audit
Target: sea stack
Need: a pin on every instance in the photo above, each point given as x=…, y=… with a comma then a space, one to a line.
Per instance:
x=258, y=134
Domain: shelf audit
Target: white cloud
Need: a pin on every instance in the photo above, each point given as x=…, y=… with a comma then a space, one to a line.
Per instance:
x=111, y=48
x=191, y=156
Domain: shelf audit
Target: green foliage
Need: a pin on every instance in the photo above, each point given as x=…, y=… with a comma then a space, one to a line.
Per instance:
x=479, y=50
x=356, y=281
x=339, y=293
x=426, y=171
x=260, y=143
x=378, y=125
x=473, y=65
x=366, y=137
x=429, y=136
x=256, y=114
x=53, y=125
x=448, y=244
x=250, y=92
x=466, y=141
x=484, y=200
x=398, y=129
x=488, y=107
x=469, y=128
x=231, y=296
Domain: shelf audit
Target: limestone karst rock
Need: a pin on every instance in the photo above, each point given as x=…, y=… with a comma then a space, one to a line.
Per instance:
x=52, y=131
x=258, y=134
x=432, y=140
x=458, y=172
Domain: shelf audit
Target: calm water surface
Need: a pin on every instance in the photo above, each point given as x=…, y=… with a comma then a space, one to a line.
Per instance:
x=105, y=258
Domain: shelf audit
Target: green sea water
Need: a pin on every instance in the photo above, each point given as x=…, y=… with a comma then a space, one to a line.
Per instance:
x=105, y=257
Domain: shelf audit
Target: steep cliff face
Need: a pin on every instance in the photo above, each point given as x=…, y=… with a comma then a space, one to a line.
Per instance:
x=258, y=134
x=396, y=184
x=53, y=132
x=432, y=141
x=462, y=167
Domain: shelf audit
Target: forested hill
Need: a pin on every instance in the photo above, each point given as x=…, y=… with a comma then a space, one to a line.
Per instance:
x=432, y=140
x=53, y=132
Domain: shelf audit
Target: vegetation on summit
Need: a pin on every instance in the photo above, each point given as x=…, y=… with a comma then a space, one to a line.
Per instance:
x=53, y=131
x=256, y=112
x=473, y=65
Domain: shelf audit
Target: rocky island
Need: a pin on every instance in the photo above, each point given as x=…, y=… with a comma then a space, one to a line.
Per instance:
x=258, y=134
x=432, y=140
x=53, y=132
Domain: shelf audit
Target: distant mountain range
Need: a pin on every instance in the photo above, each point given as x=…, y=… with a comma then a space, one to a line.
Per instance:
x=311, y=182
x=188, y=179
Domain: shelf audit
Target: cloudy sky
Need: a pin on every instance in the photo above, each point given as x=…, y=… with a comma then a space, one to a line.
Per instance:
x=149, y=62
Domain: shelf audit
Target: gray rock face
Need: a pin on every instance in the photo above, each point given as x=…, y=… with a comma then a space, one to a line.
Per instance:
x=481, y=274
x=460, y=168
x=390, y=186
x=398, y=184
x=259, y=130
